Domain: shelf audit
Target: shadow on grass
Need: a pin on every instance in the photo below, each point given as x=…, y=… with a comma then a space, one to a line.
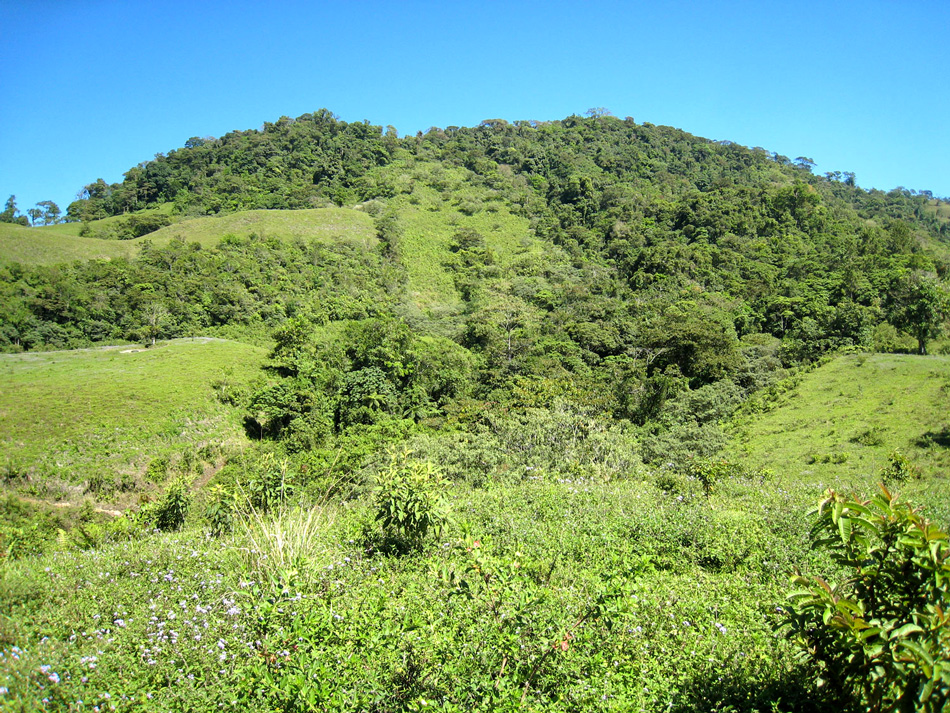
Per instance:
x=935, y=438
x=783, y=692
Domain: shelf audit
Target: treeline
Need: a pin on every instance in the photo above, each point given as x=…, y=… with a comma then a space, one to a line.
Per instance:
x=593, y=169
x=44, y=213
x=292, y=163
x=243, y=288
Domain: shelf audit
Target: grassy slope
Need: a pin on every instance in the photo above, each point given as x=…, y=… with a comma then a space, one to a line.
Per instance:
x=901, y=402
x=45, y=246
x=72, y=415
x=428, y=226
x=61, y=243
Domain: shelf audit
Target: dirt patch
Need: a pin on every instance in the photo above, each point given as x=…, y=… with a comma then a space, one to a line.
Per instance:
x=34, y=501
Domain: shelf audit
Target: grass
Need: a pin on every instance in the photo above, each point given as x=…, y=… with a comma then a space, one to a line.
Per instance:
x=641, y=593
x=78, y=416
x=324, y=224
x=634, y=592
x=545, y=596
x=841, y=423
x=45, y=246
x=62, y=243
x=429, y=222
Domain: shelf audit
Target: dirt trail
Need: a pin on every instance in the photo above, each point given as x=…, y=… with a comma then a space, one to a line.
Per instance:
x=209, y=472
x=36, y=501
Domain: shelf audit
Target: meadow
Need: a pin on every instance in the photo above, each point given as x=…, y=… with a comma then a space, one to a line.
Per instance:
x=54, y=244
x=93, y=420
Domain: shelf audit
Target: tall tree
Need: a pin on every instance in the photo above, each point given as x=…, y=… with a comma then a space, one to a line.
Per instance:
x=9, y=210
x=50, y=212
x=919, y=305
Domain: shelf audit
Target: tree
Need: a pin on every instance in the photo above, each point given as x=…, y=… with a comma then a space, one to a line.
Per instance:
x=805, y=162
x=9, y=211
x=918, y=305
x=155, y=316
x=50, y=212
x=34, y=214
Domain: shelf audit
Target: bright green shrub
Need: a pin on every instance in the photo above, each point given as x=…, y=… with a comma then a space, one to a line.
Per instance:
x=899, y=468
x=880, y=637
x=410, y=498
x=221, y=511
x=271, y=485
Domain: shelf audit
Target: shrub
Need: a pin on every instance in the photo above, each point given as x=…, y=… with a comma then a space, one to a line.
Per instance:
x=410, y=499
x=880, y=637
x=271, y=485
x=221, y=511
x=898, y=468
x=170, y=512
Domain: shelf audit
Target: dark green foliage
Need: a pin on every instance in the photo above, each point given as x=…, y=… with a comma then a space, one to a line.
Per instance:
x=919, y=305
x=270, y=485
x=291, y=163
x=10, y=213
x=243, y=287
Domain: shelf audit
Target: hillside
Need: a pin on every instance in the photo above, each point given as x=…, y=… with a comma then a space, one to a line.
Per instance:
x=91, y=421
x=63, y=243
x=519, y=416
x=841, y=423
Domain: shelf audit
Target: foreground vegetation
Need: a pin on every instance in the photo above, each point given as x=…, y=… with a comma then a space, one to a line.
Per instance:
x=568, y=574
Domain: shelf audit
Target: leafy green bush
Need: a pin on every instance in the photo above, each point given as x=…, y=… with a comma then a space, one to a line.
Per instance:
x=220, y=511
x=410, y=498
x=271, y=485
x=170, y=512
x=880, y=637
x=899, y=468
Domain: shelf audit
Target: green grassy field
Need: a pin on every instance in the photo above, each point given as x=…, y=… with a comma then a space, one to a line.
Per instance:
x=55, y=244
x=62, y=243
x=71, y=418
x=325, y=224
x=841, y=423
x=429, y=225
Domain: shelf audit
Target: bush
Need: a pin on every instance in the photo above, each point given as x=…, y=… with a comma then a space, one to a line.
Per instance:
x=898, y=468
x=879, y=639
x=170, y=512
x=410, y=499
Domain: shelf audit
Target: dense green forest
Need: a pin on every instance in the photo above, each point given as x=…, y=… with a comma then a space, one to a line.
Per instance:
x=513, y=419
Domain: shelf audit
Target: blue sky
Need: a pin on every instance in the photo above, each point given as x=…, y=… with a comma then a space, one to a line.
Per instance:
x=92, y=88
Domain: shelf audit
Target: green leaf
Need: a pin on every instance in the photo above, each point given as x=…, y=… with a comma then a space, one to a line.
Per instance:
x=844, y=527
x=905, y=631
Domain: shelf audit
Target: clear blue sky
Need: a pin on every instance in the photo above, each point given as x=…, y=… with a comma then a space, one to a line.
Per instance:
x=91, y=88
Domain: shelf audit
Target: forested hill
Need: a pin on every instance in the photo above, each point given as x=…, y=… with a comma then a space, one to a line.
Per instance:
x=610, y=263
x=595, y=169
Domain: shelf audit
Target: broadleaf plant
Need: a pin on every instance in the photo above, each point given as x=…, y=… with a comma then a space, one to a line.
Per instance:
x=880, y=637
